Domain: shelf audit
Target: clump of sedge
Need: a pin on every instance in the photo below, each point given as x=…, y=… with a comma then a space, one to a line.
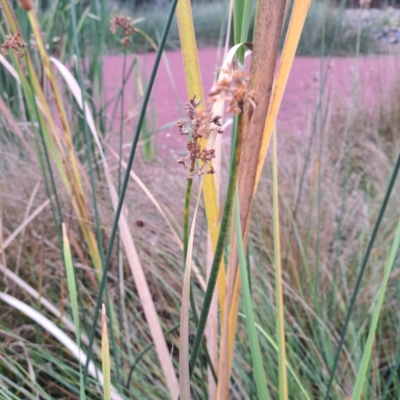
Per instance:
x=234, y=88
x=15, y=43
x=126, y=25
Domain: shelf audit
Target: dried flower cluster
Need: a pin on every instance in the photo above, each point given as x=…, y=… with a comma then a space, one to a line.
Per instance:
x=14, y=42
x=126, y=25
x=200, y=128
x=234, y=88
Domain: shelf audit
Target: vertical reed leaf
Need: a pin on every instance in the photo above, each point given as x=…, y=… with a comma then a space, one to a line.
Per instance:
x=258, y=369
x=71, y=281
x=280, y=313
x=73, y=296
x=296, y=24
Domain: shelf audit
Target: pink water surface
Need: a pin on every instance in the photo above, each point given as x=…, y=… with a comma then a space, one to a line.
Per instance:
x=375, y=75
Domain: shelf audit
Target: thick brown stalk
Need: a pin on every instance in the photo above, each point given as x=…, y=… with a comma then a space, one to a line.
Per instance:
x=268, y=30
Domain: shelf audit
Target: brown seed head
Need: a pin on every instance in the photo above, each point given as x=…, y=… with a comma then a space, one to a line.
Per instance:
x=125, y=24
x=15, y=43
x=203, y=122
x=27, y=5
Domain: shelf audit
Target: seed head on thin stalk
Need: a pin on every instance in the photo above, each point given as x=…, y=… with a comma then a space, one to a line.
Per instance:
x=14, y=43
x=125, y=24
x=234, y=88
x=199, y=128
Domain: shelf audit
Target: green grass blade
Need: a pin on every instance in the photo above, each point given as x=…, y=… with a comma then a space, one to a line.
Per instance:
x=246, y=20
x=73, y=295
x=71, y=282
x=238, y=11
x=258, y=368
x=280, y=315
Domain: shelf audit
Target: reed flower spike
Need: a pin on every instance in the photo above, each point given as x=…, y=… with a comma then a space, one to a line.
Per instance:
x=15, y=43
x=202, y=123
x=125, y=24
x=234, y=87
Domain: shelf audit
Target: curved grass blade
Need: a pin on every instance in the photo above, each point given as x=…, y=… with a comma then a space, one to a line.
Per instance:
x=68, y=324
x=58, y=334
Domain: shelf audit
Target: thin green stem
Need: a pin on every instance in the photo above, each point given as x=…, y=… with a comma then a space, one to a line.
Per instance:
x=125, y=182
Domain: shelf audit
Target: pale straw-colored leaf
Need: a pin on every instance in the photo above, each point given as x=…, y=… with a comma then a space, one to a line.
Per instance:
x=105, y=351
x=9, y=68
x=43, y=301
